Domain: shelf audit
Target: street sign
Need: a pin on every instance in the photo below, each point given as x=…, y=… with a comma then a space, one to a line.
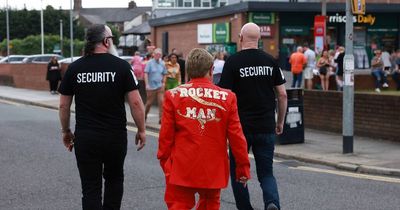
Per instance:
x=358, y=7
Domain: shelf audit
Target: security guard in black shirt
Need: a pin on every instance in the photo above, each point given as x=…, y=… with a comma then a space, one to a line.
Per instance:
x=100, y=81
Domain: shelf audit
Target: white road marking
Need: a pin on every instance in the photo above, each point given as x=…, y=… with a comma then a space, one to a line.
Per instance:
x=348, y=174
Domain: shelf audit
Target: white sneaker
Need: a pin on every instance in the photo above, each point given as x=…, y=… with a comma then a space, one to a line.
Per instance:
x=385, y=85
x=377, y=90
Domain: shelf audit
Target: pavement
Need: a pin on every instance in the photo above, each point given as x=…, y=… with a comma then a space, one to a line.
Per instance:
x=372, y=156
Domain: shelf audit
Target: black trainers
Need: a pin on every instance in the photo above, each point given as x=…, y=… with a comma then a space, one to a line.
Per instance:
x=272, y=206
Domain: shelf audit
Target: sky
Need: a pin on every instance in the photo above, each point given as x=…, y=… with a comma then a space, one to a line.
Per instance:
x=65, y=4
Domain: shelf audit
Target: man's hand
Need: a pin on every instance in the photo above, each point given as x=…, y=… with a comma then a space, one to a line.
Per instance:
x=68, y=140
x=243, y=180
x=140, y=139
x=279, y=129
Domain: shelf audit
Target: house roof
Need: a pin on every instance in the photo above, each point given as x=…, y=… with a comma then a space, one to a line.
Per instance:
x=142, y=29
x=266, y=6
x=113, y=15
x=94, y=19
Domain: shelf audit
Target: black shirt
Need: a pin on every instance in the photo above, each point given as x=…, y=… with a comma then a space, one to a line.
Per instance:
x=99, y=83
x=252, y=75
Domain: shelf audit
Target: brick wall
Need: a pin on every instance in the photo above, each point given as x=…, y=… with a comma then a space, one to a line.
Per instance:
x=376, y=116
x=29, y=76
x=183, y=36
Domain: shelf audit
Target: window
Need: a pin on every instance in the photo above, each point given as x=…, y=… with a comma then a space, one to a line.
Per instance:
x=197, y=3
x=206, y=3
x=222, y=3
x=180, y=3
x=214, y=3
x=187, y=3
x=166, y=3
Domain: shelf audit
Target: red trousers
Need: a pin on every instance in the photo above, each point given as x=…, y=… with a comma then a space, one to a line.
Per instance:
x=183, y=198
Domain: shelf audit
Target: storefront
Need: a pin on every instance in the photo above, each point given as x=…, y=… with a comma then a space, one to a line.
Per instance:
x=283, y=28
x=371, y=31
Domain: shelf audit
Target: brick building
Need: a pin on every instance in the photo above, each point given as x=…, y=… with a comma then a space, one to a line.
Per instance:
x=284, y=27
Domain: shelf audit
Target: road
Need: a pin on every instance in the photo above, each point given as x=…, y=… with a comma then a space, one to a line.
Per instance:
x=38, y=173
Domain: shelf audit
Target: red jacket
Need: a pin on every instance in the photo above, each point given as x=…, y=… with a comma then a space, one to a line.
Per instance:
x=198, y=118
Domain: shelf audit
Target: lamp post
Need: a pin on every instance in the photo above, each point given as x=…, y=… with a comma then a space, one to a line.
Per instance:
x=41, y=26
x=8, y=31
x=61, y=36
x=348, y=86
x=71, y=31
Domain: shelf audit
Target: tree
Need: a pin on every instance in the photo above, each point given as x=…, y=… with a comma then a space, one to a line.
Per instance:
x=31, y=45
x=27, y=22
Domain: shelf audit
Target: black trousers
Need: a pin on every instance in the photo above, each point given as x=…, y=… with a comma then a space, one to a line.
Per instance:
x=101, y=157
x=53, y=85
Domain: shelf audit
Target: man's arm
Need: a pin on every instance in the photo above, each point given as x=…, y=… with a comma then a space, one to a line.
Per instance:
x=137, y=111
x=65, y=114
x=166, y=138
x=238, y=144
x=146, y=80
x=282, y=106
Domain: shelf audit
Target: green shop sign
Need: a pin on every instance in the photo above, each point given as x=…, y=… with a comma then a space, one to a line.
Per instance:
x=295, y=30
x=262, y=18
x=221, y=33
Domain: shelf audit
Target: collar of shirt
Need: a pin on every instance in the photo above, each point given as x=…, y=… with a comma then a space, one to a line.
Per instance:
x=200, y=80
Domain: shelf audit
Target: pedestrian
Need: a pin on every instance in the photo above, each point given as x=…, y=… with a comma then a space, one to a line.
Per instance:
x=297, y=61
x=155, y=77
x=218, y=66
x=100, y=81
x=173, y=72
x=138, y=66
x=323, y=66
x=198, y=119
x=53, y=74
x=396, y=71
x=377, y=71
x=386, y=64
x=339, y=70
x=181, y=62
x=308, y=71
x=255, y=78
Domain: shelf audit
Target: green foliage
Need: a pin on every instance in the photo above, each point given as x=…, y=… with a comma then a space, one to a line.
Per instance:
x=27, y=22
x=32, y=45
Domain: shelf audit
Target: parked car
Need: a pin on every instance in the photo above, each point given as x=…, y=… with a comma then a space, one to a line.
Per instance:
x=13, y=59
x=68, y=60
x=41, y=58
x=127, y=58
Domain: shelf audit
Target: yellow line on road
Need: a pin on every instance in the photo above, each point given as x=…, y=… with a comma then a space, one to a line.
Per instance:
x=150, y=133
x=348, y=174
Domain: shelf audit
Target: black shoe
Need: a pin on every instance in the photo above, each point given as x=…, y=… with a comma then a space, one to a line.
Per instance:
x=272, y=206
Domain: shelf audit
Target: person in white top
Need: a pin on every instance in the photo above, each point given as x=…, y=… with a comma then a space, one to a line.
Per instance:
x=218, y=66
x=308, y=71
x=386, y=65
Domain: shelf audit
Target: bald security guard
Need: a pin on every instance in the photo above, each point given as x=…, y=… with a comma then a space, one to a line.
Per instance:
x=255, y=78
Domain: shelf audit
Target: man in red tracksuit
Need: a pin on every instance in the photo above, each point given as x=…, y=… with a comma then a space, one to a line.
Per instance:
x=198, y=118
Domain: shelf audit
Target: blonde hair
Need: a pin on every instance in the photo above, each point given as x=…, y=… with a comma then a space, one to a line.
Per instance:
x=198, y=63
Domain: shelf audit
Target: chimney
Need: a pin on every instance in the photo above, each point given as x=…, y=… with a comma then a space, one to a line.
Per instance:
x=77, y=5
x=132, y=5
